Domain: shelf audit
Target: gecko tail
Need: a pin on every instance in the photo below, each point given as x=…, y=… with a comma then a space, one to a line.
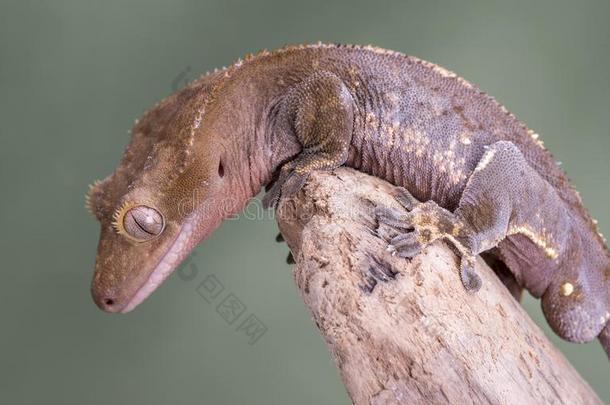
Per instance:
x=604, y=339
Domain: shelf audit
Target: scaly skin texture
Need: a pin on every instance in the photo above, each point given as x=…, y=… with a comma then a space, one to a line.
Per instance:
x=486, y=182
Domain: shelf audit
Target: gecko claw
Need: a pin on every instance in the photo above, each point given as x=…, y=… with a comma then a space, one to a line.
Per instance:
x=290, y=258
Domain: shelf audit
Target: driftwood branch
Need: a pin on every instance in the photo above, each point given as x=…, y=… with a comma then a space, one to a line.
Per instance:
x=418, y=338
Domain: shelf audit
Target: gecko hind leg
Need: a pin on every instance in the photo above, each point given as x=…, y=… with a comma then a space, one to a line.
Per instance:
x=422, y=224
x=492, y=207
x=508, y=205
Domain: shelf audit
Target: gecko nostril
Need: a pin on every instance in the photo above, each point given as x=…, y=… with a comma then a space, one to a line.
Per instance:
x=221, y=169
x=108, y=302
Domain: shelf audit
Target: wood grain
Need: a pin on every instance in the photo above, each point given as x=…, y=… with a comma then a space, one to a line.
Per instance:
x=418, y=338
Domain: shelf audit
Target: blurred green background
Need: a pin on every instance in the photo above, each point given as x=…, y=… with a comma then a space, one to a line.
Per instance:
x=73, y=76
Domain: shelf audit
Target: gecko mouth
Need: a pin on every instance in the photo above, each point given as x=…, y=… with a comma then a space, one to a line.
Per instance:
x=178, y=250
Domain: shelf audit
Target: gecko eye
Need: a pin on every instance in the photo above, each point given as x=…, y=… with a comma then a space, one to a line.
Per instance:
x=139, y=223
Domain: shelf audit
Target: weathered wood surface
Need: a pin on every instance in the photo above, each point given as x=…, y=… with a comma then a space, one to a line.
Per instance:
x=419, y=338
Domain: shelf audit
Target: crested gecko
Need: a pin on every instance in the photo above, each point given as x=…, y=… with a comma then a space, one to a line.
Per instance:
x=485, y=181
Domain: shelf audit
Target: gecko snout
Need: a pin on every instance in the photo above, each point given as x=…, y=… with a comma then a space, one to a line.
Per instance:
x=107, y=303
x=104, y=299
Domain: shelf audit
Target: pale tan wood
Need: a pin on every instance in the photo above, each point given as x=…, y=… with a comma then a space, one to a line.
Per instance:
x=420, y=338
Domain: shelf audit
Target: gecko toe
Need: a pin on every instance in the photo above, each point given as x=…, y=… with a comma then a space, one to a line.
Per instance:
x=470, y=279
x=405, y=198
x=393, y=218
x=294, y=183
x=368, y=285
x=271, y=199
x=409, y=252
x=405, y=245
x=381, y=271
x=287, y=185
x=374, y=272
x=290, y=258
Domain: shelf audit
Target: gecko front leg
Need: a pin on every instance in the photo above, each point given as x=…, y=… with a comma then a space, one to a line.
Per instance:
x=320, y=113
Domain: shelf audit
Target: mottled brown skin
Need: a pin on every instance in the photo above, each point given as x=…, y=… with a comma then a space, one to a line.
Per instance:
x=486, y=181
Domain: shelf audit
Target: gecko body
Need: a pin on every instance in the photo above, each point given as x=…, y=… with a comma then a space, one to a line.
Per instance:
x=485, y=181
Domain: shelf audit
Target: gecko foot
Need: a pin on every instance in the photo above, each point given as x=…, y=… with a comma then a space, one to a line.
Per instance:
x=289, y=182
x=294, y=174
x=424, y=223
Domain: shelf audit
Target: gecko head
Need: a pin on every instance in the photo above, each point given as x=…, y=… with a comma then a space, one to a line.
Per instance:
x=170, y=191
